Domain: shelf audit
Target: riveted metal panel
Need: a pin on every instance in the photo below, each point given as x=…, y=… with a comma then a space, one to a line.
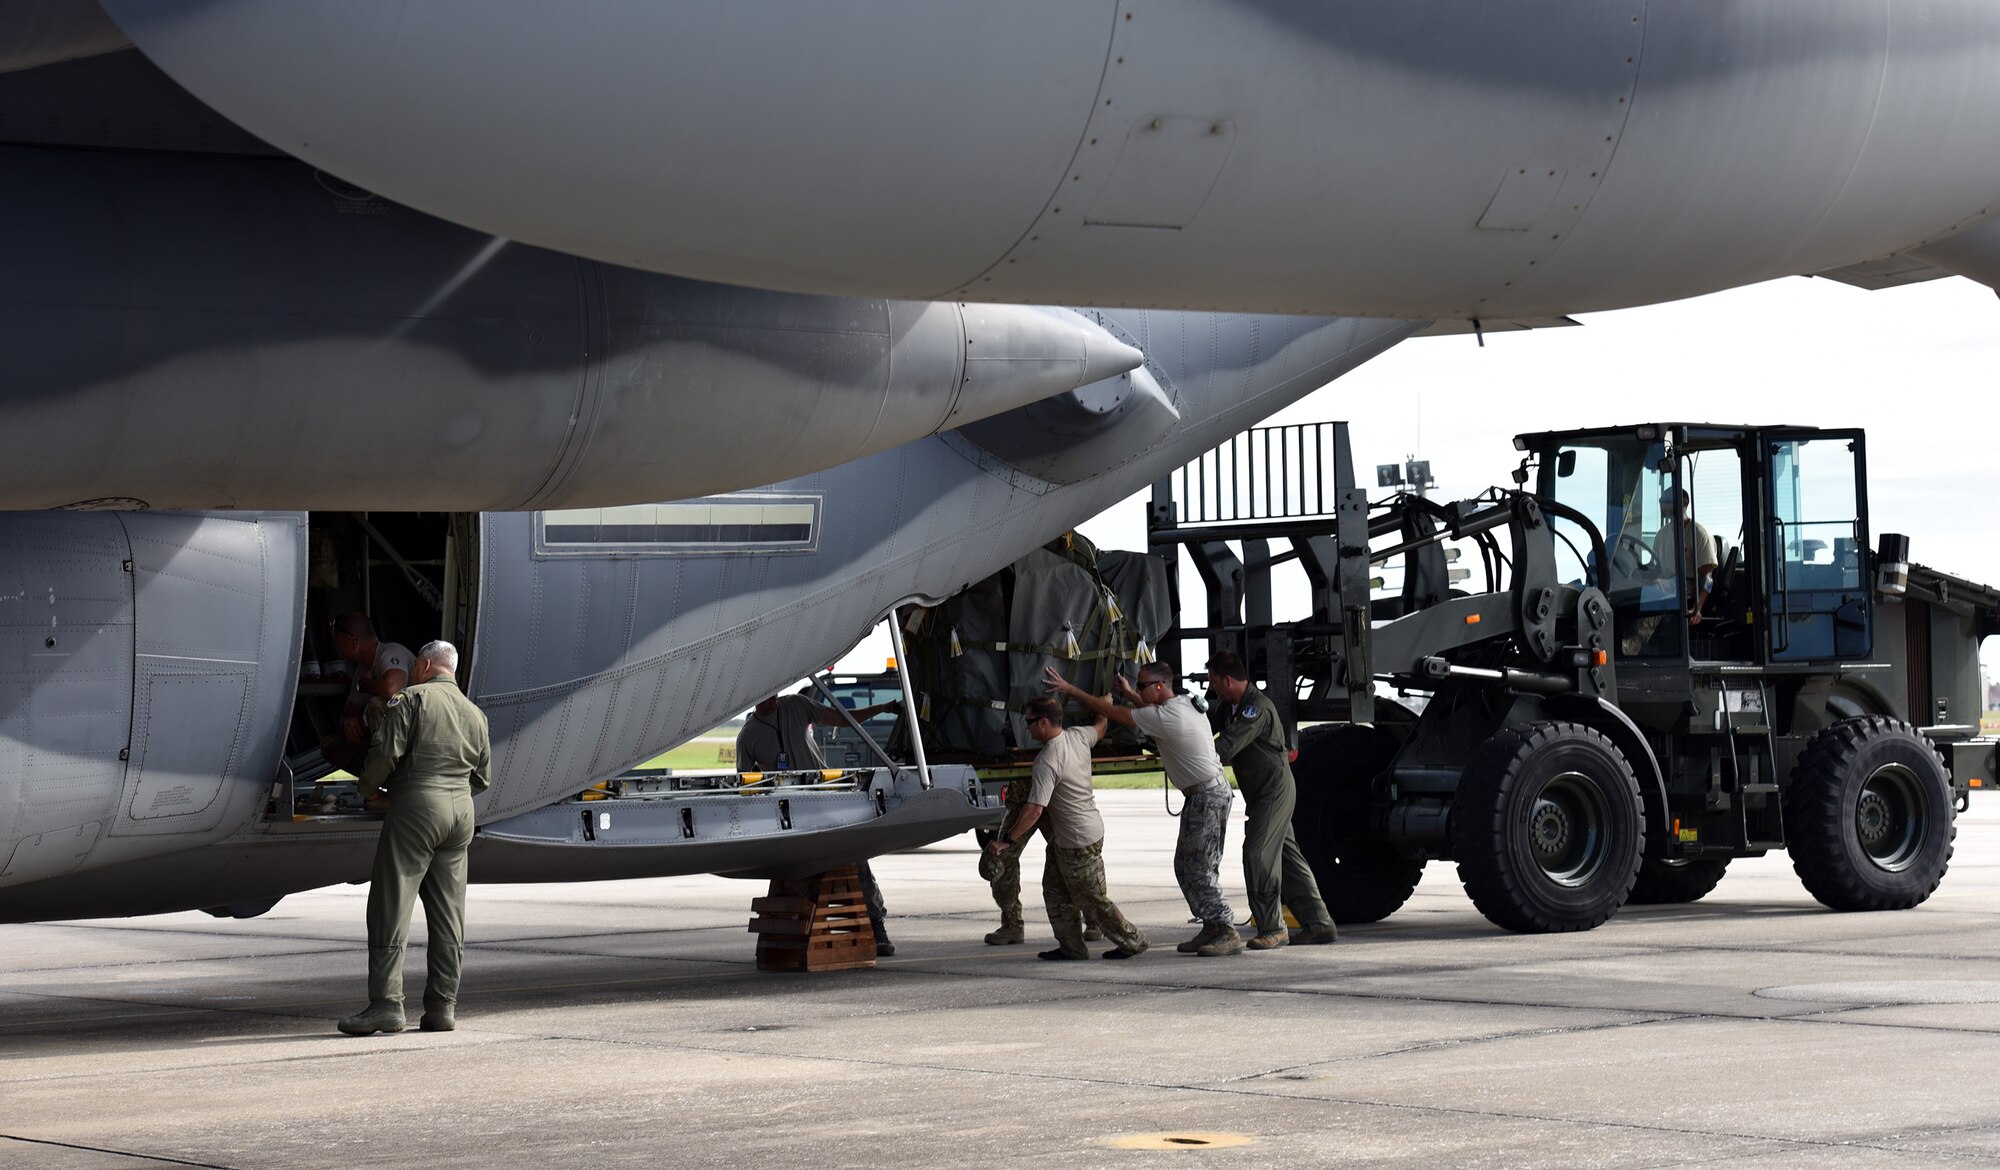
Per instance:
x=65, y=686
x=218, y=603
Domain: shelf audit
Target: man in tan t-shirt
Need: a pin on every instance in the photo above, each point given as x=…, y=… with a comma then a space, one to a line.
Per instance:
x=1186, y=745
x=1073, y=869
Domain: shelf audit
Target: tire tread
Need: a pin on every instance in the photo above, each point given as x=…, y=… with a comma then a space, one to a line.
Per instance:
x=1493, y=885
x=1816, y=819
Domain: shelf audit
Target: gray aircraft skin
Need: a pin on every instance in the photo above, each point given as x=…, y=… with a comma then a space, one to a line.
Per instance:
x=225, y=340
x=1418, y=159
x=142, y=710
x=288, y=293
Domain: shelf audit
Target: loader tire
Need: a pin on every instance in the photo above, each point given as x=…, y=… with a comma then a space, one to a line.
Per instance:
x=1547, y=828
x=1361, y=878
x=1668, y=882
x=1868, y=816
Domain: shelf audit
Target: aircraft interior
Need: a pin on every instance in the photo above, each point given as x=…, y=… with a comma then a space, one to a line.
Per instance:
x=415, y=574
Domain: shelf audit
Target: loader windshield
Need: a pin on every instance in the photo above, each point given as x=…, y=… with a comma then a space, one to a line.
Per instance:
x=1623, y=484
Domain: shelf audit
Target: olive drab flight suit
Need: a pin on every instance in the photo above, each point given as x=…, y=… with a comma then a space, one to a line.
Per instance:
x=1275, y=873
x=431, y=752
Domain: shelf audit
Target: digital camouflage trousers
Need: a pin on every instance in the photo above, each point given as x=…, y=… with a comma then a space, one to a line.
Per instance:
x=1198, y=854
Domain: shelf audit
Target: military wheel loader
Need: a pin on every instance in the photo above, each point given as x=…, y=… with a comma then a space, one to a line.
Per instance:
x=1685, y=651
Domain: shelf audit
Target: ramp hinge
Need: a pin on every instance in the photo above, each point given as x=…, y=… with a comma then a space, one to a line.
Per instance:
x=126, y=565
x=125, y=753
x=687, y=822
x=784, y=814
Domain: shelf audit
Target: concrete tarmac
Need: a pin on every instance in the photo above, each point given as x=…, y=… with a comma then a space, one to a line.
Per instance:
x=625, y=1024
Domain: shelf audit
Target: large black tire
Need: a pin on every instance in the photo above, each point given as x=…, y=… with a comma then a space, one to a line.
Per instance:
x=1868, y=816
x=1360, y=877
x=1666, y=882
x=1547, y=828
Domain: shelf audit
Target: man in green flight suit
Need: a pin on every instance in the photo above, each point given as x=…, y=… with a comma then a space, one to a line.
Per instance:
x=1275, y=873
x=431, y=752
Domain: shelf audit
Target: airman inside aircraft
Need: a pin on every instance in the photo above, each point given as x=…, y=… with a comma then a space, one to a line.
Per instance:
x=777, y=736
x=431, y=753
x=378, y=671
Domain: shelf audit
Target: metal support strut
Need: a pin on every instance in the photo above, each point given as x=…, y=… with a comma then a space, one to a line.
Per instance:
x=909, y=699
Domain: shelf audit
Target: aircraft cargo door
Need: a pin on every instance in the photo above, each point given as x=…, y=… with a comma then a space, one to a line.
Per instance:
x=65, y=687
x=217, y=604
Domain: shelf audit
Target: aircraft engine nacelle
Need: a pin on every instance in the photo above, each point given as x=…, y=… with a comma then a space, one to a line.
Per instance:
x=249, y=333
x=1082, y=433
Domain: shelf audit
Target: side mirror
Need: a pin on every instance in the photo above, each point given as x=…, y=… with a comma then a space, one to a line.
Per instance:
x=1566, y=464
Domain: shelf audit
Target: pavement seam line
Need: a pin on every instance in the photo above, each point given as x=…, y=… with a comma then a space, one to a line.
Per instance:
x=1455, y=1042
x=171, y=1161
x=405, y=1050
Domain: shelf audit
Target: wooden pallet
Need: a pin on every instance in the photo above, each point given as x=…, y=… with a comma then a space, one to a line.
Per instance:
x=818, y=923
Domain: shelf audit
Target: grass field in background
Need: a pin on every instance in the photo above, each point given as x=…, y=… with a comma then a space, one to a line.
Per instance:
x=700, y=755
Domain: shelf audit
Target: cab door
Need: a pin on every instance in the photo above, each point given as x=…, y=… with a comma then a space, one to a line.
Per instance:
x=1816, y=528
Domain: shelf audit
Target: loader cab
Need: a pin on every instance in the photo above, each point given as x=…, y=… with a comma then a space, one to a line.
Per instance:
x=1720, y=544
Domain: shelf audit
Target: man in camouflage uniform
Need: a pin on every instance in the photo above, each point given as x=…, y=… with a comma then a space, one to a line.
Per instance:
x=1186, y=747
x=1275, y=873
x=431, y=752
x=1002, y=870
x=1073, y=873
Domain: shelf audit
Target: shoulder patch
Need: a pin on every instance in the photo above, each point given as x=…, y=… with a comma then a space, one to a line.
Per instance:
x=1248, y=712
x=396, y=700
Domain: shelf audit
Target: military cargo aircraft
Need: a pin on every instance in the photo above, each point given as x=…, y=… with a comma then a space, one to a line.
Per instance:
x=422, y=290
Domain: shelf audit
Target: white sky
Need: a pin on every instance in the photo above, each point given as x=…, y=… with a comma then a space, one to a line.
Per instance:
x=1916, y=366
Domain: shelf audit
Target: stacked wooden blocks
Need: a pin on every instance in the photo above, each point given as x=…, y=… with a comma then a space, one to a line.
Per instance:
x=818, y=923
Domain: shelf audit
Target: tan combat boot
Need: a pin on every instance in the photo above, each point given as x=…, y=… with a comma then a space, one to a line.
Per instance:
x=1270, y=940
x=1202, y=938
x=1225, y=942
x=1009, y=932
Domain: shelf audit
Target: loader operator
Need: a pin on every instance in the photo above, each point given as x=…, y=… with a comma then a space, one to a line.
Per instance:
x=777, y=736
x=1697, y=548
x=1275, y=873
x=1187, y=753
x=431, y=751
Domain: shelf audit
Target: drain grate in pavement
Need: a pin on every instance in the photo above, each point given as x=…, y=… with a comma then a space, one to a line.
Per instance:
x=1180, y=1141
x=1885, y=992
